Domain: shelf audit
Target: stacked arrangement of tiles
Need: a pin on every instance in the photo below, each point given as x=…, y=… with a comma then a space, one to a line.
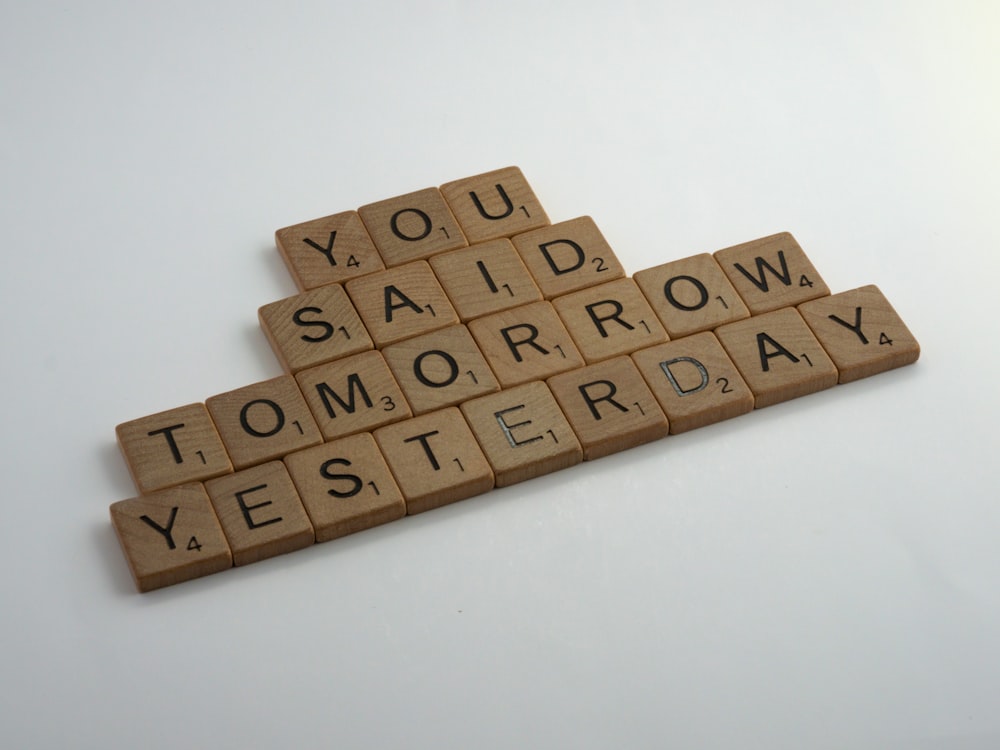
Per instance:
x=452, y=340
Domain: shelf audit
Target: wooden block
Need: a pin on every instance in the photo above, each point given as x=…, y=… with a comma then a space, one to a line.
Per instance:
x=609, y=320
x=494, y=204
x=328, y=250
x=352, y=395
x=771, y=273
x=412, y=226
x=485, y=278
x=691, y=295
x=345, y=486
x=173, y=447
x=861, y=332
x=435, y=459
x=523, y=433
x=439, y=369
x=694, y=381
x=170, y=536
x=609, y=406
x=568, y=256
x=401, y=302
x=263, y=421
x=314, y=327
x=525, y=343
x=260, y=513
x=778, y=356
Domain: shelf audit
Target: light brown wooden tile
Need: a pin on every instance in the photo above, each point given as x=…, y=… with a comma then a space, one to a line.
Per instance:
x=314, y=327
x=778, y=356
x=525, y=343
x=352, y=395
x=439, y=369
x=485, y=278
x=609, y=320
x=523, y=433
x=263, y=421
x=695, y=381
x=412, y=226
x=170, y=536
x=435, y=459
x=327, y=250
x=691, y=295
x=568, y=256
x=401, y=302
x=494, y=204
x=609, y=406
x=260, y=513
x=345, y=486
x=172, y=447
x=861, y=332
x=771, y=273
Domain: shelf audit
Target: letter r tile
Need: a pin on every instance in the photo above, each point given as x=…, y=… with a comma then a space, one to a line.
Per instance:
x=494, y=204
x=327, y=250
x=412, y=226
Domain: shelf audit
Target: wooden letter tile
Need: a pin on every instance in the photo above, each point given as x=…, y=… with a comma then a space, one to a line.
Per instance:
x=439, y=369
x=327, y=250
x=401, y=302
x=523, y=433
x=314, y=327
x=170, y=536
x=771, y=273
x=485, y=278
x=173, y=447
x=435, y=459
x=695, y=381
x=412, y=226
x=861, y=332
x=609, y=320
x=778, y=356
x=568, y=256
x=352, y=395
x=263, y=421
x=345, y=486
x=260, y=513
x=609, y=406
x=691, y=295
x=525, y=343
x=494, y=204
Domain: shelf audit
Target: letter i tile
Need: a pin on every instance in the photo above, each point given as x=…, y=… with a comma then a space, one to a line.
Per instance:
x=170, y=536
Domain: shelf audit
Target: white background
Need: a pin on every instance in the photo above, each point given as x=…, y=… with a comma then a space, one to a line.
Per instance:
x=824, y=573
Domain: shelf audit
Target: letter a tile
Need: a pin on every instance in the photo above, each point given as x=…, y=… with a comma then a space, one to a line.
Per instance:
x=494, y=204
x=170, y=536
x=327, y=250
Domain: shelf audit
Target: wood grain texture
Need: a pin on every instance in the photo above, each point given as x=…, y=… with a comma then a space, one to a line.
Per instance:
x=412, y=226
x=328, y=250
x=494, y=204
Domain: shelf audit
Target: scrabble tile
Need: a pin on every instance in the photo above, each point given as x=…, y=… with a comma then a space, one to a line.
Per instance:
x=861, y=332
x=525, y=343
x=170, y=536
x=568, y=256
x=263, y=421
x=355, y=394
x=778, y=356
x=439, y=369
x=609, y=320
x=314, y=327
x=485, y=278
x=523, y=433
x=412, y=226
x=328, y=250
x=345, y=486
x=771, y=273
x=691, y=295
x=694, y=381
x=494, y=204
x=609, y=406
x=401, y=302
x=172, y=447
x=260, y=513
x=435, y=459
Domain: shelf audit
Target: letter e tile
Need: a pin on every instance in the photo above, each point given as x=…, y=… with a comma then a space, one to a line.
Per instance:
x=327, y=250
x=494, y=204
